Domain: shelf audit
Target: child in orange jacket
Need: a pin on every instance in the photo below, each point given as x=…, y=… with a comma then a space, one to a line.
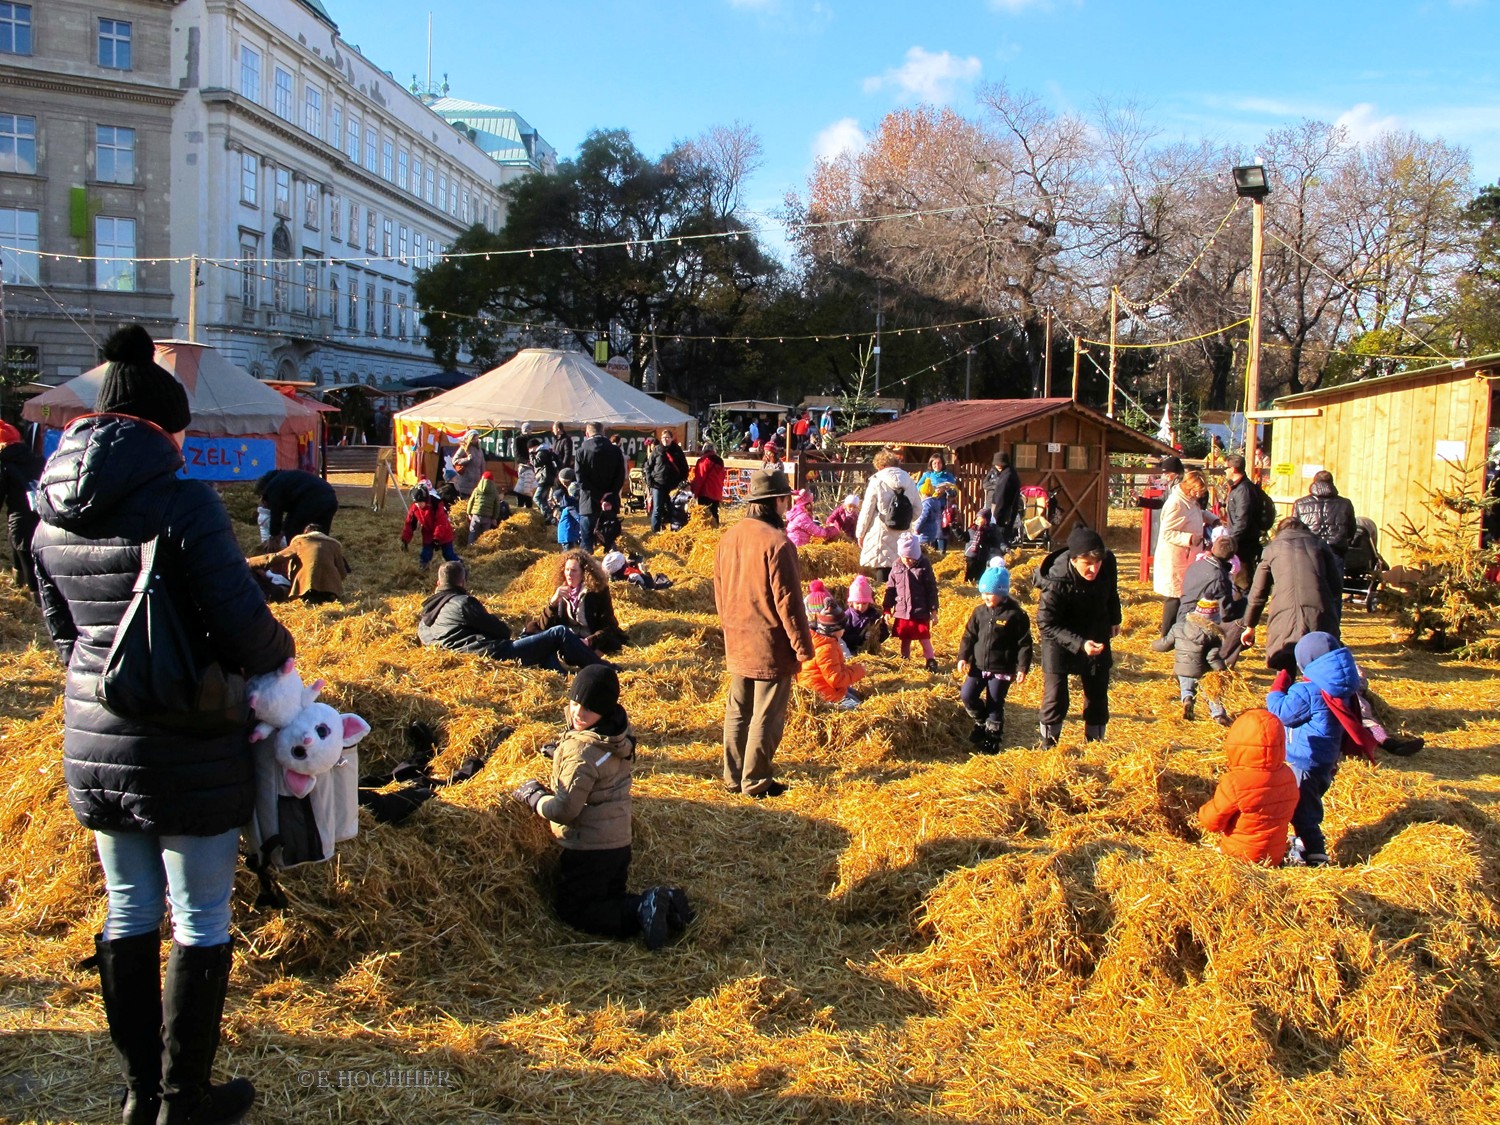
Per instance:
x=828, y=673
x=427, y=512
x=1257, y=793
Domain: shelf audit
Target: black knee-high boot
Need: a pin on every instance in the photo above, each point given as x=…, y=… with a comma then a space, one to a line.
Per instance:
x=192, y=1006
x=130, y=979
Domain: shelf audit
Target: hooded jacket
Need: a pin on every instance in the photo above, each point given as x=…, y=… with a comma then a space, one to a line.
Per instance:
x=802, y=527
x=316, y=565
x=108, y=489
x=1300, y=567
x=877, y=542
x=295, y=499
x=911, y=592
x=589, y=807
x=1327, y=515
x=708, y=477
x=432, y=519
x=454, y=619
x=998, y=639
x=484, y=501
x=1071, y=611
x=1257, y=792
x=1314, y=736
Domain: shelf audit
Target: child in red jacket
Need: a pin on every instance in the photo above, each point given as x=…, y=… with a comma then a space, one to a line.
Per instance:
x=427, y=512
x=1257, y=793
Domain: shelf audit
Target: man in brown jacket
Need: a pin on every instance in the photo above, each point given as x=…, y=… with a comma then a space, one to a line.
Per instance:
x=758, y=592
x=314, y=563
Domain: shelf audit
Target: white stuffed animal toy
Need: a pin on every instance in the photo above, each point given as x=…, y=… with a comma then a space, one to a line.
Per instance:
x=277, y=697
x=313, y=743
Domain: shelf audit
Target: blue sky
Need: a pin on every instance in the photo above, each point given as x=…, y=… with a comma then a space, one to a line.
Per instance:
x=812, y=75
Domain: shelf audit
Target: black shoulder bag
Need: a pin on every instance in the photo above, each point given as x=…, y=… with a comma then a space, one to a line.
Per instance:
x=152, y=676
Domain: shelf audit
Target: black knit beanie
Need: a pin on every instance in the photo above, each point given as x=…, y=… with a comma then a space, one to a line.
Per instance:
x=1084, y=541
x=136, y=385
x=596, y=688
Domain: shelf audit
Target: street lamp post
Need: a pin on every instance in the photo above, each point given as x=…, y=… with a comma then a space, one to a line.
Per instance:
x=1251, y=182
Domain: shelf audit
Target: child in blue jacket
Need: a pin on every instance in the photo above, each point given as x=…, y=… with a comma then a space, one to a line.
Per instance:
x=1314, y=735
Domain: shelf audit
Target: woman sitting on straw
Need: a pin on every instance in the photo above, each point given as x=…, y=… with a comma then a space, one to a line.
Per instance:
x=582, y=602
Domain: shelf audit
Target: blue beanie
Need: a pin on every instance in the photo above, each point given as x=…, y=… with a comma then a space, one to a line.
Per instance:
x=1314, y=645
x=995, y=579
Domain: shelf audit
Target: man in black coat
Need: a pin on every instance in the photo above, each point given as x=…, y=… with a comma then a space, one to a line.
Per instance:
x=295, y=499
x=601, y=479
x=455, y=619
x=666, y=469
x=1002, y=492
x=19, y=468
x=1078, y=614
x=166, y=807
x=1242, y=517
x=1304, y=574
x=1329, y=516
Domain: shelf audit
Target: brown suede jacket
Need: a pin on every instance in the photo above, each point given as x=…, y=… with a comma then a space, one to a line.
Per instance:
x=758, y=592
x=315, y=564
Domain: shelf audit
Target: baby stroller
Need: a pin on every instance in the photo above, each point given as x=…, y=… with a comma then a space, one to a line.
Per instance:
x=635, y=499
x=1037, y=518
x=677, y=518
x=1363, y=565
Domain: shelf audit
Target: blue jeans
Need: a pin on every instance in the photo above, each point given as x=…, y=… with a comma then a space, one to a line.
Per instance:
x=447, y=548
x=661, y=507
x=541, y=650
x=930, y=522
x=1307, y=820
x=586, y=530
x=1189, y=686
x=195, y=873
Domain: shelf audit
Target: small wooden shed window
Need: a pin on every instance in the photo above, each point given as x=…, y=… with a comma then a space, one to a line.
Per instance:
x=1025, y=455
x=1077, y=459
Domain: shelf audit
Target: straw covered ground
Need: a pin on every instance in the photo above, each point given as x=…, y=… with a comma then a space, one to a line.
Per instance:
x=910, y=934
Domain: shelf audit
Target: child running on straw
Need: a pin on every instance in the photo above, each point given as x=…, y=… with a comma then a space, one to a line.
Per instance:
x=994, y=653
x=428, y=513
x=911, y=598
x=1257, y=791
x=828, y=674
x=587, y=807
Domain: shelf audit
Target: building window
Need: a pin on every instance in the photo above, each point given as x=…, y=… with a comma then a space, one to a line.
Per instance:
x=335, y=124
x=284, y=94
x=400, y=315
x=284, y=192
x=416, y=174
x=416, y=250
x=370, y=228
x=312, y=111
x=351, y=138
x=465, y=213
x=335, y=218
x=250, y=179
x=369, y=308
x=18, y=236
x=15, y=29
x=403, y=246
x=429, y=183
x=442, y=198
x=313, y=212
x=281, y=270
x=335, y=310
x=249, y=270
x=354, y=224
x=1076, y=459
x=1024, y=455
x=310, y=264
x=114, y=44
x=388, y=160
x=401, y=165
x=352, y=322
x=387, y=238
x=114, y=243
x=385, y=313
x=17, y=143
x=431, y=253
x=114, y=154
x=372, y=146
x=250, y=73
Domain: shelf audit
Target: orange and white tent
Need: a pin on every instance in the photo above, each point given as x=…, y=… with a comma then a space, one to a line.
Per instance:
x=240, y=428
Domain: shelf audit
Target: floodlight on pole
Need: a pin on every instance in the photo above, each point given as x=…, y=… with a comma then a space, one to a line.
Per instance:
x=1252, y=183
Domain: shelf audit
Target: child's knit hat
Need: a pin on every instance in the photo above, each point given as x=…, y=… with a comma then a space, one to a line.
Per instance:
x=859, y=590
x=596, y=688
x=851, y=501
x=909, y=546
x=817, y=596
x=801, y=498
x=1208, y=606
x=614, y=562
x=995, y=579
x=829, y=621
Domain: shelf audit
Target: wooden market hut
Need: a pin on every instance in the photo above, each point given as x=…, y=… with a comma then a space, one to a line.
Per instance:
x=1053, y=442
x=1388, y=441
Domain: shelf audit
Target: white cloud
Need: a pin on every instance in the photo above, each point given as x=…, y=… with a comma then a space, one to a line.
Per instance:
x=931, y=77
x=844, y=135
x=1363, y=124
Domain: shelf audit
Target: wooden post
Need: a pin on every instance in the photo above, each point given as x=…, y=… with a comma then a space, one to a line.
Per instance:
x=192, y=324
x=1077, y=352
x=1252, y=366
x=1047, y=359
x=1114, y=299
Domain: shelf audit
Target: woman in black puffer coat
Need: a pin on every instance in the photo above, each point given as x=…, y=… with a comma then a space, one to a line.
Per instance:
x=166, y=808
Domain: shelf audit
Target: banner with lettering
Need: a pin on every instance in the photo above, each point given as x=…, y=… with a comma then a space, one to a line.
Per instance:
x=210, y=458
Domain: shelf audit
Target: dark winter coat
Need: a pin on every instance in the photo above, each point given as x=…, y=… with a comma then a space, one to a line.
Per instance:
x=1071, y=611
x=455, y=619
x=19, y=466
x=295, y=499
x=592, y=618
x=1242, y=515
x=544, y=461
x=1210, y=579
x=911, y=592
x=1301, y=569
x=997, y=639
x=1002, y=492
x=1198, y=647
x=1327, y=515
x=108, y=489
x=562, y=449
x=1314, y=735
x=601, y=470
x=667, y=466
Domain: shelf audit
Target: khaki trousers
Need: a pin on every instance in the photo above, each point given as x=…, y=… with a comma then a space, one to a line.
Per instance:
x=754, y=719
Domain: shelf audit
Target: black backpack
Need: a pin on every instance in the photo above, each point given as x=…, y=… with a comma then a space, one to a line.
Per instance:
x=1265, y=509
x=901, y=512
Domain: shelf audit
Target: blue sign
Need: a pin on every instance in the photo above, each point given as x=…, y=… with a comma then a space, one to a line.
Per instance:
x=209, y=458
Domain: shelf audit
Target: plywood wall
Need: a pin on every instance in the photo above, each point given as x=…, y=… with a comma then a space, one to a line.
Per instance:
x=1385, y=449
x=1084, y=494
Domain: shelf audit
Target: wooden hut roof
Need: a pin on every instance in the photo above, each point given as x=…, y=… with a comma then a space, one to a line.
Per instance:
x=952, y=425
x=1476, y=366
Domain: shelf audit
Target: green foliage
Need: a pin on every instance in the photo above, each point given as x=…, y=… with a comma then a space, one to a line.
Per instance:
x=1444, y=600
x=722, y=431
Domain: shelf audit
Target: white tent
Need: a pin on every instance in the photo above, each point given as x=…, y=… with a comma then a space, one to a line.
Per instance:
x=535, y=388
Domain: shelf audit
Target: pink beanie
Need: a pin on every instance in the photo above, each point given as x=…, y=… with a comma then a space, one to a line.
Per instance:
x=859, y=590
